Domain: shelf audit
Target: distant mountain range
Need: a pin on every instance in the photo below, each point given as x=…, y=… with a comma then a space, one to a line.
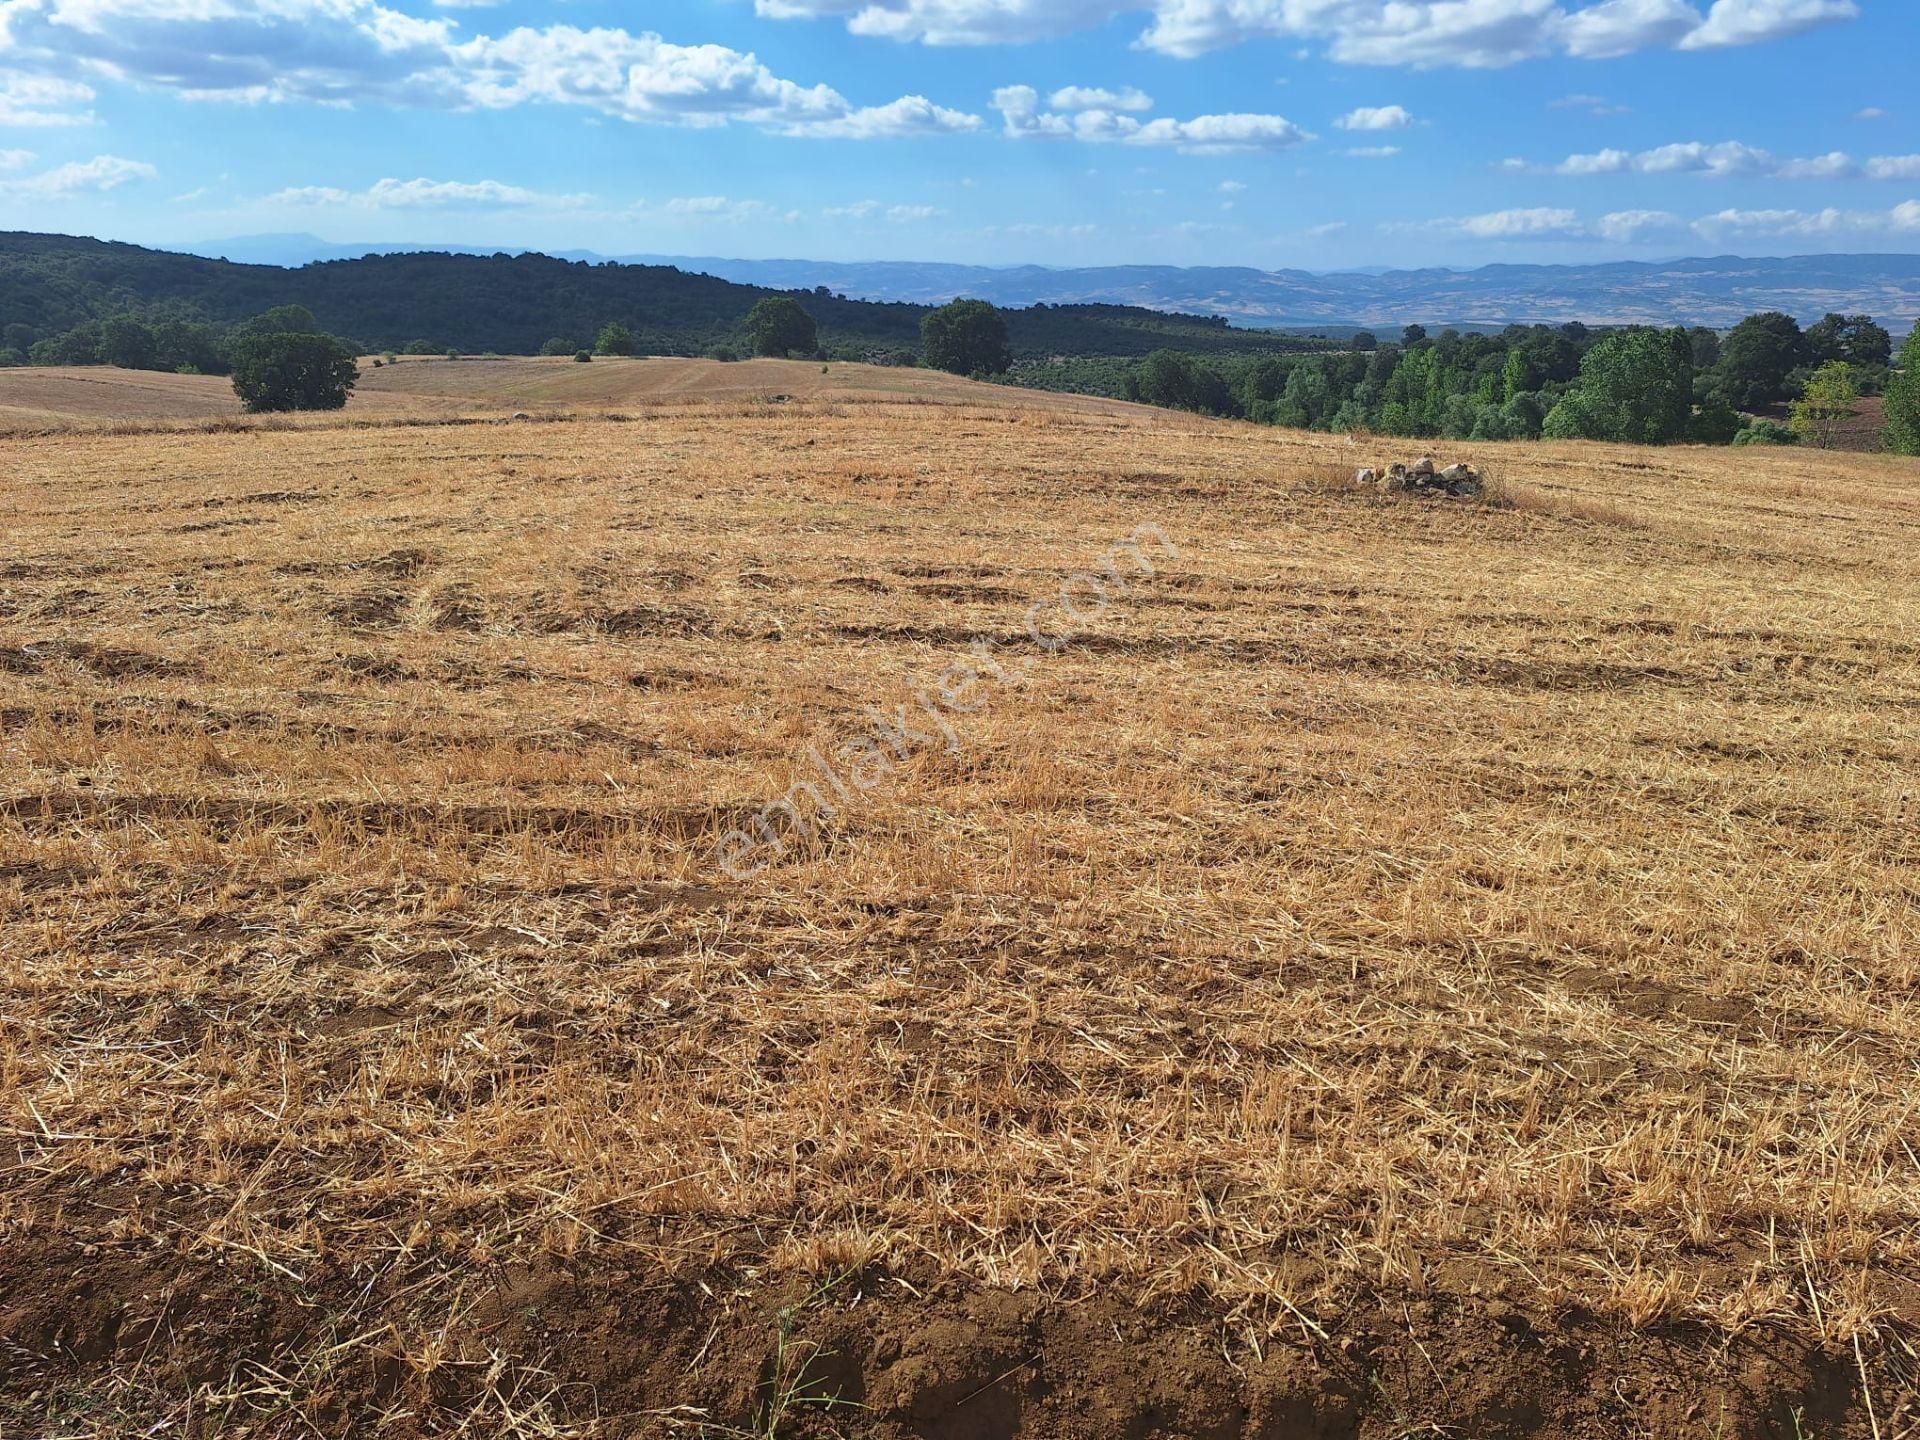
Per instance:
x=1717, y=291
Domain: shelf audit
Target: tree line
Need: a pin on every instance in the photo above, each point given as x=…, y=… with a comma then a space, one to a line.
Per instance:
x=1634, y=384
x=59, y=295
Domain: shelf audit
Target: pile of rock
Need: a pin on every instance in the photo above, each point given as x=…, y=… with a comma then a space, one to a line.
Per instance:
x=1462, y=481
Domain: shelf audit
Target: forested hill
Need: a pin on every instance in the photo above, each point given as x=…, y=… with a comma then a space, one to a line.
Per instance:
x=514, y=304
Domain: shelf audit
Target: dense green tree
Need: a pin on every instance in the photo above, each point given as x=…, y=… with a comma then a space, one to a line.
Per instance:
x=291, y=371
x=1830, y=399
x=1635, y=386
x=1756, y=358
x=1901, y=433
x=558, y=346
x=967, y=337
x=1854, y=339
x=615, y=339
x=279, y=320
x=1706, y=347
x=780, y=326
x=1365, y=341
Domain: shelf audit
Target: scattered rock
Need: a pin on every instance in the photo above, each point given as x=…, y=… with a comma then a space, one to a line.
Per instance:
x=1458, y=480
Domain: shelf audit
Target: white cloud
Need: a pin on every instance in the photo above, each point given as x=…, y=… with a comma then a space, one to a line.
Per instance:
x=80, y=177
x=310, y=195
x=1373, y=152
x=1019, y=107
x=1601, y=162
x=1748, y=22
x=1893, y=167
x=875, y=210
x=40, y=100
x=423, y=194
x=439, y=194
x=1620, y=27
x=1592, y=104
x=1836, y=165
x=362, y=51
x=1079, y=97
x=1694, y=158
x=12, y=160
x=1629, y=225
x=1727, y=159
x=909, y=115
x=1872, y=112
x=1422, y=33
x=1519, y=224
x=1222, y=134
x=720, y=207
x=1811, y=224
x=1231, y=187
x=1375, y=117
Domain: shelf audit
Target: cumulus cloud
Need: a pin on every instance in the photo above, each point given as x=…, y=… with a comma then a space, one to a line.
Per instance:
x=1631, y=226
x=1375, y=117
x=1893, y=167
x=909, y=115
x=80, y=177
x=1518, y=224
x=1020, y=110
x=1080, y=97
x=1727, y=159
x=1620, y=27
x=1628, y=225
x=1747, y=22
x=1420, y=33
x=1811, y=224
x=423, y=194
x=362, y=51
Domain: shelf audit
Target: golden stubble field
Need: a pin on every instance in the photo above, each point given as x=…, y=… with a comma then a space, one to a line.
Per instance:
x=1405, y=968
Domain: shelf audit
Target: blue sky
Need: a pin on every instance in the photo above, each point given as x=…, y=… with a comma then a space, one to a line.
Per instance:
x=1321, y=134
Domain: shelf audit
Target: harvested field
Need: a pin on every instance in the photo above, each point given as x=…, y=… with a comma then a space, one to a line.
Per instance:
x=428, y=387
x=1395, y=967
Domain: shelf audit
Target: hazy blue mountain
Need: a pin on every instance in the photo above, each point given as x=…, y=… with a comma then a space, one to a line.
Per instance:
x=1716, y=291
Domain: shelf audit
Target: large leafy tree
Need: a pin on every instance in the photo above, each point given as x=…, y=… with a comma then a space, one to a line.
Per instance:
x=1757, y=357
x=1826, y=404
x=291, y=371
x=1902, y=432
x=615, y=339
x=967, y=337
x=780, y=326
x=1852, y=338
x=1635, y=386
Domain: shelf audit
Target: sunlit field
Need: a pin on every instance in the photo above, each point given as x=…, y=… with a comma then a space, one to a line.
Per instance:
x=846, y=914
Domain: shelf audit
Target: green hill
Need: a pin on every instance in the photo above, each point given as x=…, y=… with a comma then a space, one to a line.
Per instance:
x=515, y=303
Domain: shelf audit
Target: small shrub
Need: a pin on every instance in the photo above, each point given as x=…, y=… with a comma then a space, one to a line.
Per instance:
x=1766, y=432
x=583, y=357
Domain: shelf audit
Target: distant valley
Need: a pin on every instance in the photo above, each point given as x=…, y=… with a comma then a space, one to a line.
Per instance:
x=1718, y=291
